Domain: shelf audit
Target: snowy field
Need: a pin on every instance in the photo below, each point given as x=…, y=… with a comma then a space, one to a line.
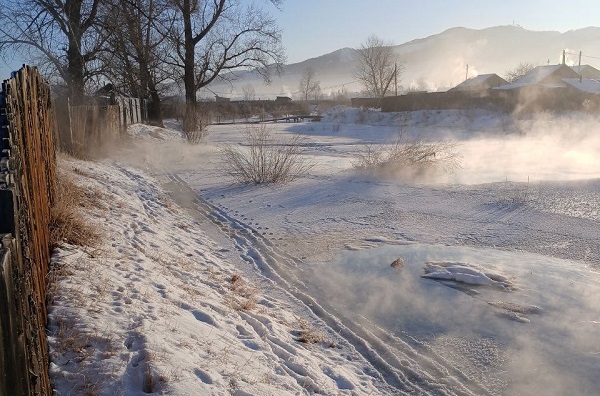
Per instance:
x=203, y=286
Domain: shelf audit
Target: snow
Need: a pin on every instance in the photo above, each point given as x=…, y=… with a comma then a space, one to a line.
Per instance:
x=538, y=74
x=586, y=85
x=155, y=304
x=465, y=273
x=204, y=286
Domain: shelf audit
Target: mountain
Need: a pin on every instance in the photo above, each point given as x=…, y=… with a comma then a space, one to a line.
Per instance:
x=436, y=62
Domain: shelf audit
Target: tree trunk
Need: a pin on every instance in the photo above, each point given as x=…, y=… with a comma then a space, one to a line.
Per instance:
x=154, y=108
x=189, y=78
x=189, y=120
x=75, y=72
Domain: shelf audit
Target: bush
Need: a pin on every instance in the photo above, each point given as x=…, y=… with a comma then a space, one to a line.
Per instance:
x=409, y=159
x=265, y=159
x=194, y=123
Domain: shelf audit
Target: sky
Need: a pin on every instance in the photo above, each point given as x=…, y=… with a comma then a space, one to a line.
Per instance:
x=315, y=27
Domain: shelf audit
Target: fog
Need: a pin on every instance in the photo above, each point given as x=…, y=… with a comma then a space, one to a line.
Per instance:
x=538, y=149
x=555, y=353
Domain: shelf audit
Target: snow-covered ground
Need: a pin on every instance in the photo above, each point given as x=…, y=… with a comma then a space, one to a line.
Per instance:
x=204, y=286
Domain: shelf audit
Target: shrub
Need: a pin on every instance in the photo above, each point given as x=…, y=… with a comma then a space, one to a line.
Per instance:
x=194, y=123
x=265, y=159
x=411, y=159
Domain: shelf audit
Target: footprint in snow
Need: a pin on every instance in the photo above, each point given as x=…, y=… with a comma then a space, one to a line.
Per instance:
x=203, y=376
x=204, y=317
x=243, y=333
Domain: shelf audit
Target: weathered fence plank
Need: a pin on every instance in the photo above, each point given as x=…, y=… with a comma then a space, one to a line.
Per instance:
x=28, y=187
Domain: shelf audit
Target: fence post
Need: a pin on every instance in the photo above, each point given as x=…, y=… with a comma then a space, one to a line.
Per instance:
x=27, y=180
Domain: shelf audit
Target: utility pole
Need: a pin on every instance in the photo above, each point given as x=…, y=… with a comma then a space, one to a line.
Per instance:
x=564, y=62
x=580, y=77
x=467, y=73
x=396, y=77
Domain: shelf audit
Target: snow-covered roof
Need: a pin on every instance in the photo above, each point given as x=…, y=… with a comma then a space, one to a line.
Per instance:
x=541, y=73
x=585, y=85
x=538, y=74
x=517, y=85
x=549, y=76
x=480, y=81
x=587, y=71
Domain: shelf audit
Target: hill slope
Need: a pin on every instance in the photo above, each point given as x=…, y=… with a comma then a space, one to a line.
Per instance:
x=438, y=61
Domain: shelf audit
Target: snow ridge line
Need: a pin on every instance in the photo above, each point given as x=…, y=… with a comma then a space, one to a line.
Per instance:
x=280, y=269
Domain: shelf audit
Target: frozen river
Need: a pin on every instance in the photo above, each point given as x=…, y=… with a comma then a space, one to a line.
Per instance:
x=538, y=334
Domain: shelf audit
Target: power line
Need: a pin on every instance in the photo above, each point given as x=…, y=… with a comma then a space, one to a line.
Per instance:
x=583, y=56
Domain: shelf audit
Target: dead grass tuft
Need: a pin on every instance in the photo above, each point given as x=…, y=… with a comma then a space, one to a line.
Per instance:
x=67, y=224
x=246, y=294
x=148, y=385
x=307, y=333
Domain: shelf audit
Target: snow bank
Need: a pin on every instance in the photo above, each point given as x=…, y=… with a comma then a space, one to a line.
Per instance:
x=159, y=307
x=153, y=133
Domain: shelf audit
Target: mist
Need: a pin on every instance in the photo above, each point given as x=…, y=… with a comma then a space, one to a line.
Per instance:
x=542, y=148
x=551, y=353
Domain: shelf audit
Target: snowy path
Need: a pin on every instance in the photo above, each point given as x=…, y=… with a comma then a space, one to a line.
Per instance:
x=408, y=368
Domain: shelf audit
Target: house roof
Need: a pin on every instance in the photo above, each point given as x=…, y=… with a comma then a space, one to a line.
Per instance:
x=517, y=85
x=585, y=85
x=587, y=71
x=482, y=81
x=540, y=74
x=550, y=76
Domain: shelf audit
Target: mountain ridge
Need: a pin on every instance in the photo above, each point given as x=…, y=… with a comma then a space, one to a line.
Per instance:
x=438, y=61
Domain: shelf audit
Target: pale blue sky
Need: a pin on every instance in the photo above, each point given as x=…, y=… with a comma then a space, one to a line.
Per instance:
x=316, y=27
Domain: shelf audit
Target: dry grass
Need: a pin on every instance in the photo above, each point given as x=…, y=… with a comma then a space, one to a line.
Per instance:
x=67, y=224
x=148, y=383
x=409, y=159
x=266, y=159
x=245, y=293
x=307, y=333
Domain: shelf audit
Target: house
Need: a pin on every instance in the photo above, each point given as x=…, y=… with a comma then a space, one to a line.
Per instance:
x=556, y=87
x=587, y=71
x=584, y=85
x=481, y=83
x=283, y=99
x=550, y=76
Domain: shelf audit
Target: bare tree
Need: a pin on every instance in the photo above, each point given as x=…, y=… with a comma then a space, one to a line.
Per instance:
x=519, y=71
x=62, y=35
x=214, y=37
x=309, y=87
x=377, y=66
x=249, y=92
x=138, y=30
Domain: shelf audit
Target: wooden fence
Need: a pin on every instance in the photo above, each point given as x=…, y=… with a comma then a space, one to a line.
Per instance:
x=87, y=130
x=27, y=185
x=131, y=110
x=93, y=128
